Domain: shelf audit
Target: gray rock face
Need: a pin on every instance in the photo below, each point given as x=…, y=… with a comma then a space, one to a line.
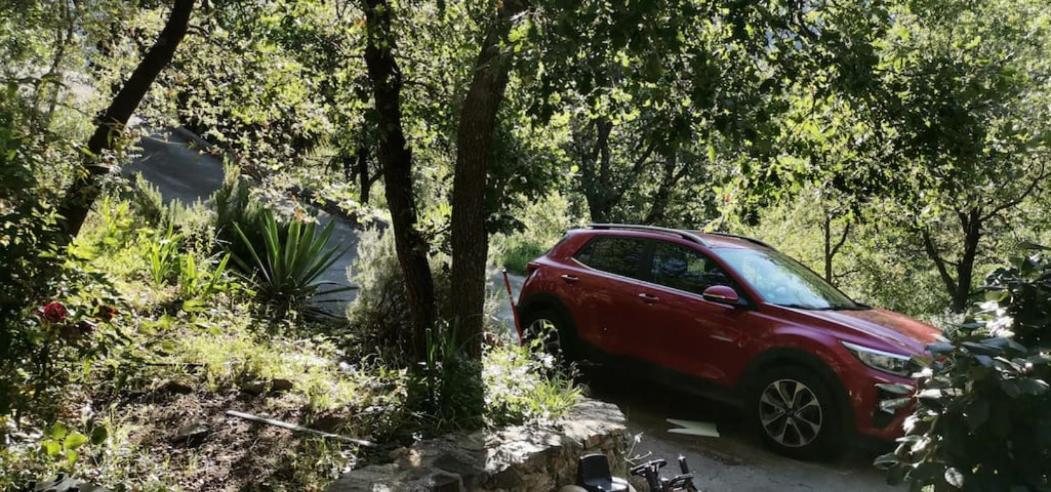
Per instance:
x=519, y=458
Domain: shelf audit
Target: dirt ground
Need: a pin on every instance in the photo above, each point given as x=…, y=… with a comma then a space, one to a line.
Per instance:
x=737, y=460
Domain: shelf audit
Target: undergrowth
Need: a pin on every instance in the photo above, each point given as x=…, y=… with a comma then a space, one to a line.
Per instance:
x=193, y=344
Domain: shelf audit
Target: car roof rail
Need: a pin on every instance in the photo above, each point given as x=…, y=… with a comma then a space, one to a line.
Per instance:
x=689, y=236
x=743, y=238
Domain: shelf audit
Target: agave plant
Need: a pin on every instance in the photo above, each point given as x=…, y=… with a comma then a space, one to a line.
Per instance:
x=290, y=261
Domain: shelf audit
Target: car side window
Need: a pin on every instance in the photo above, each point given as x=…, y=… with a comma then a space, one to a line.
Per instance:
x=682, y=268
x=618, y=255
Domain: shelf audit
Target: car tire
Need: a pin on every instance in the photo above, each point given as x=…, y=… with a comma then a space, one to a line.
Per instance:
x=797, y=413
x=558, y=335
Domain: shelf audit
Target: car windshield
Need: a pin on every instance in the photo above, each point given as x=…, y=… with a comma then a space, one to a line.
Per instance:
x=786, y=282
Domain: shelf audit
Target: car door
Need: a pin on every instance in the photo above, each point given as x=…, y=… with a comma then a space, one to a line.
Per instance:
x=683, y=331
x=604, y=283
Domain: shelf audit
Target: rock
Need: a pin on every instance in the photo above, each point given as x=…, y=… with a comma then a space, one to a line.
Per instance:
x=278, y=385
x=192, y=434
x=174, y=388
x=254, y=387
x=517, y=458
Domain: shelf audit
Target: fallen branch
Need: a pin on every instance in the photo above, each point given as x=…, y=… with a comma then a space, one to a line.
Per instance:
x=298, y=428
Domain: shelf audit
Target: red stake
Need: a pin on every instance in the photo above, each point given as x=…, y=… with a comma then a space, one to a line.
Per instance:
x=514, y=308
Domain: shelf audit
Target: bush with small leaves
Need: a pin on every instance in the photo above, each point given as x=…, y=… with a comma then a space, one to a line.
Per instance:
x=982, y=405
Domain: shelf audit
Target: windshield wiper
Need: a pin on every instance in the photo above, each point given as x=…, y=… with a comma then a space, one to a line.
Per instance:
x=800, y=306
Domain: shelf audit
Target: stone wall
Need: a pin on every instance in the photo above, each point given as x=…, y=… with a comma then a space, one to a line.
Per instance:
x=521, y=458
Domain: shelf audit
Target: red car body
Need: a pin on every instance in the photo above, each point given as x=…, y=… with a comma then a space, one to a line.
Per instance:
x=681, y=332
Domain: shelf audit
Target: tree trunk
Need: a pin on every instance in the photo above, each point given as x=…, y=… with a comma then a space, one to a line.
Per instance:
x=364, y=179
x=959, y=288
x=594, y=168
x=972, y=225
x=827, y=229
x=671, y=176
x=474, y=150
x=396, y=160
x=832, y=249
x=85, y=187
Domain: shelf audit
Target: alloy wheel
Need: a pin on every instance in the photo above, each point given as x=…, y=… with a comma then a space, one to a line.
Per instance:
x=790, y=413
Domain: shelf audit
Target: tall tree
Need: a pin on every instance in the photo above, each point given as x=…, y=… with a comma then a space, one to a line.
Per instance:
x=82, y=193
x=964, y=94
x=397, y=161
x=474, y=152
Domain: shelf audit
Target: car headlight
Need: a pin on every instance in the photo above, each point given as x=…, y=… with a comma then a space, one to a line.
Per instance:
x=878, y=359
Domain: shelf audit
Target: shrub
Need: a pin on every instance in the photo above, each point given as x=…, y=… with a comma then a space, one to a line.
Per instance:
x=982, y=405
x=520, y=254
x=378, y=316
x=146, y=199
x=541, y=224
x=519, y=385
x=522, y=384
x=290, y=261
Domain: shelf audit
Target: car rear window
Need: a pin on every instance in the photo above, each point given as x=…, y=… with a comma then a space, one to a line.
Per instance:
x=618, y=255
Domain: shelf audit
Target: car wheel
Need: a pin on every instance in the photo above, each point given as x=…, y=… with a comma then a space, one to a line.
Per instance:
x=554, y=332
x=796, y=413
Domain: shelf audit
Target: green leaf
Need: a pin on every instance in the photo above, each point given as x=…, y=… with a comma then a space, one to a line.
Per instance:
x=57, y=431
x=51, y=448
x=74, y=440
x=896, y=388
x=895, y=404
x=99, y=435
x=1032, y=386
x=977, y=414
x=954, y=477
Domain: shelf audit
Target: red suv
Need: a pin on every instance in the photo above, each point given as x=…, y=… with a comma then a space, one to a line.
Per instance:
x=730, y=317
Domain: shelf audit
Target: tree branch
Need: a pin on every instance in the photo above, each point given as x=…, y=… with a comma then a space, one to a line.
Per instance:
x=939, y=262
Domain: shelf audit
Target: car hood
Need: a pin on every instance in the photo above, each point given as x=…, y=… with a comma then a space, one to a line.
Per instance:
x=893, y=328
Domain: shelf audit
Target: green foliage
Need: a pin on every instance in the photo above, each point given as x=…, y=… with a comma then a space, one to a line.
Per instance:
x=197, y=282
x=980, y=421
x=148, y=203
x=290, y=260
x=378, y=316
x=162, y=254
x=64, y=445
x=446, y=387
x=518, y=255
x=542, y=224
x=521, y=385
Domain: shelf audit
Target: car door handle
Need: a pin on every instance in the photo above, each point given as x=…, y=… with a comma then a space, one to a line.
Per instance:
x=569, y=279
x=648, y=298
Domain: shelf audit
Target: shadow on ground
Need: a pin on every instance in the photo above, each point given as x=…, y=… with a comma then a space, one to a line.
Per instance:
x=737, y=460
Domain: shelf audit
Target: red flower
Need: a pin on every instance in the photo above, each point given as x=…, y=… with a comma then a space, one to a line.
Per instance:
x=106, y=313
x=53, y=312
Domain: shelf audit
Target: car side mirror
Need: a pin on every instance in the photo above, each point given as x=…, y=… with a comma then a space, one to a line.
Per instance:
x=721, y=294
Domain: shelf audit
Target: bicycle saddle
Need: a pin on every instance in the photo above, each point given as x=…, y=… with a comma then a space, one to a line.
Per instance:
x=593, y=474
